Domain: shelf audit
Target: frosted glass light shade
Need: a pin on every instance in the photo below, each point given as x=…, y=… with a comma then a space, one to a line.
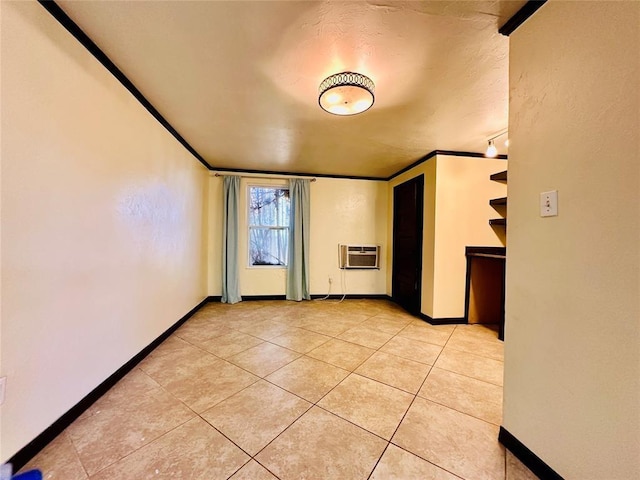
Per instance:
x=492, y=151
x=346, y=93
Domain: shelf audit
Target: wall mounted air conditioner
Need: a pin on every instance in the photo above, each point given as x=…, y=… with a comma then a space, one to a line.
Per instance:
x=359, y=256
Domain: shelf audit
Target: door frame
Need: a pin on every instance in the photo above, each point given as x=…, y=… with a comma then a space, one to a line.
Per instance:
x=419, y=180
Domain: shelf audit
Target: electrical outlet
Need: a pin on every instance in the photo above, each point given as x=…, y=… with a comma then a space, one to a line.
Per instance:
x=3, y=384
x=549, y=204
x=330, y=280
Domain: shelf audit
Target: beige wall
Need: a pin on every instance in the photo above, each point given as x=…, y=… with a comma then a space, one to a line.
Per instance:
x=456, y=215
x=2, y=458
x=214, y=250
x=463, y=191
x=572, y=340
x=102, y=224
x=361, y=211
x=342, y=211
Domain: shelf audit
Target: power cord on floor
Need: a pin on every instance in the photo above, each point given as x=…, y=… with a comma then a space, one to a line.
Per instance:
x=328, y=292
x=343, y=284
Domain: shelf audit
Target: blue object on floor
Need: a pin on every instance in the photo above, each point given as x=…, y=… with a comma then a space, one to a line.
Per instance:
x=30, y=475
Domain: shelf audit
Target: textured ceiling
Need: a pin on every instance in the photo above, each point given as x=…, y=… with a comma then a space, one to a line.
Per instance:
x=239, y=80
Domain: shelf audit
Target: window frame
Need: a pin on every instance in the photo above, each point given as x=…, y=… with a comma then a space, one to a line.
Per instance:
x=251, y=227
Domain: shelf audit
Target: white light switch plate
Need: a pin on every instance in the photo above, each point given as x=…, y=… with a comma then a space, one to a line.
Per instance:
x=549, y=204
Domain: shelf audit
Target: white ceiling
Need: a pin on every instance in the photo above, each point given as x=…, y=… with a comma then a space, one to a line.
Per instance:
x=239, y=80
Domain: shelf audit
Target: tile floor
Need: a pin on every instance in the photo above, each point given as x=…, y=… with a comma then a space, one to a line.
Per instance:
x=310, y=390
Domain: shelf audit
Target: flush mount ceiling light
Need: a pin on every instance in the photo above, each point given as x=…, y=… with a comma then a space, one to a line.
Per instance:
x=346, y=93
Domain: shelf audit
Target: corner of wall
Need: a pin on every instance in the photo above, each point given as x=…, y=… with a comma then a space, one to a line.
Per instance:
x=462, y=213
x=214, y=237
x=572, y=362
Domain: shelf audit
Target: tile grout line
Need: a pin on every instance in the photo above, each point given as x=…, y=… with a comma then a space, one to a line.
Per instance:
x=403, y=416
x=458, y=349
x=426, y=460
x=352, y=371
x=162, y=388
x=312, y=404
x=140, y=447
x=417, y=395
x=349, y=371
x=252, y=457
x=386, y=447
x=407, y=411
x=315, y=404
x=75, y=449
x=199, y=415
x=469, y=377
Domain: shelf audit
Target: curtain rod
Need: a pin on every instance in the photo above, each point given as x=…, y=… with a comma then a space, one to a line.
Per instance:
x=282, y=177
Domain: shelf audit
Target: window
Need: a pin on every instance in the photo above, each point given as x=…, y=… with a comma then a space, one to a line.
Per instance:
x=268, y=226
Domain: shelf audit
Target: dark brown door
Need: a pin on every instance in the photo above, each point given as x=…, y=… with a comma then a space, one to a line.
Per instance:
x=408, y=204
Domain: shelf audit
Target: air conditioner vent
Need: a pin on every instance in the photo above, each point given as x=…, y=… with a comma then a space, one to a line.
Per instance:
x=359, y=256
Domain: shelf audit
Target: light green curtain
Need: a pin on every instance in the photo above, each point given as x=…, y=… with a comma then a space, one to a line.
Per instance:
x=298, y=266
x=230, y=265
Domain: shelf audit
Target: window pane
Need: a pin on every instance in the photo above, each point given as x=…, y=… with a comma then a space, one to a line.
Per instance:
x=268, y=246
x=269, y=206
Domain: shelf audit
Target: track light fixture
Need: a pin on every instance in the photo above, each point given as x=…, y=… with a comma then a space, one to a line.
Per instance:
x=492, y=151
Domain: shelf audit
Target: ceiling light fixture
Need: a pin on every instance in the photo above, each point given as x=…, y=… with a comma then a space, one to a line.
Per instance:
x=346, y=93
x=492, y=151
